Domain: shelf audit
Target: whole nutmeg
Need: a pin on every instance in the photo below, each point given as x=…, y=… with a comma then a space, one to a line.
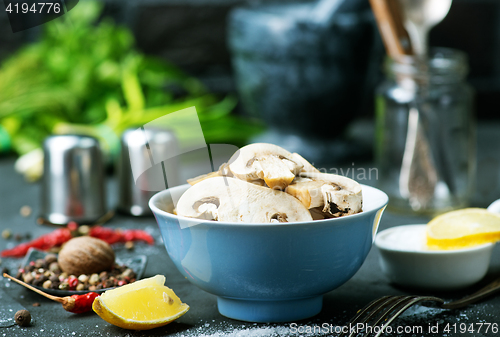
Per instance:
x=85, y=255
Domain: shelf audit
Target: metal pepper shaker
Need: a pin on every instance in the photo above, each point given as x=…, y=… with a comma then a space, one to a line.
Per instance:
x=139, y=176
x=73, y=184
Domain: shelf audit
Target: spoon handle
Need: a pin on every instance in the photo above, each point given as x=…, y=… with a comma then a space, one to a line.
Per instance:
x=419, y=37
x=390, y=25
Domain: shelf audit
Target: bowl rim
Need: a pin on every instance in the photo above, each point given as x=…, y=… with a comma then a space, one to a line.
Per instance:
x=380, y=244
x=380, y=204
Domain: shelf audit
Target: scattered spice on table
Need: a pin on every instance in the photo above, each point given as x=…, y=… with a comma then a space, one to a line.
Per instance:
x=25, y=211
x=129, y=245
x=22, y=317
x=6, y=233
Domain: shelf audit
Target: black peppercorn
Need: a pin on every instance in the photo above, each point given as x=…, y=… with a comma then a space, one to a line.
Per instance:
x=39, y=279
x=39, y=263
x=23, y=317
x=50, y=258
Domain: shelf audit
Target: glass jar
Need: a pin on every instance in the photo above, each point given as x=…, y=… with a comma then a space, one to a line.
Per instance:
x=425, y=132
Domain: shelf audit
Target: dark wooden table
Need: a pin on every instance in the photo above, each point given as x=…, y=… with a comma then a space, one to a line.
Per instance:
x=203, y=318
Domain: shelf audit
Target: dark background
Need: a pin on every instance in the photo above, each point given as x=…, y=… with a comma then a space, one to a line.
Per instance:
x=192, y=34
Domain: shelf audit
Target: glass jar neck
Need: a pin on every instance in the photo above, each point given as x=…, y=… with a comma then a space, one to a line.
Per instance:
x=443, y=66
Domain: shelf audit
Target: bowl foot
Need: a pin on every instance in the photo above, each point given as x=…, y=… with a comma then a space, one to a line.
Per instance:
x=263, y=311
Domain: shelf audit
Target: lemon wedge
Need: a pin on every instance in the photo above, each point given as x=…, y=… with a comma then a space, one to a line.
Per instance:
x=142, y=305
x=463, y=228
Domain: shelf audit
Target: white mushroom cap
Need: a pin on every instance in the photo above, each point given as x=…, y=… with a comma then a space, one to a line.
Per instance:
x=275, y=165
x=234, y=200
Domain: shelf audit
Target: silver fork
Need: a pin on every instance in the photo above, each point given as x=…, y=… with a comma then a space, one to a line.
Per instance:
x=380, y=313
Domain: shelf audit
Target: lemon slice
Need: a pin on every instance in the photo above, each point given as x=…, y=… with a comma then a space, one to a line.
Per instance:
x=141, y=305
x=463, y=228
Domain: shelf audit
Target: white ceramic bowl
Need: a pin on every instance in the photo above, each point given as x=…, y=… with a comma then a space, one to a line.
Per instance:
x=495, y=206
x=407, y=262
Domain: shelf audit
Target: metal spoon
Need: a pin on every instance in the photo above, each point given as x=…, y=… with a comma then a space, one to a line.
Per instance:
x=420, y=17
x=419, y=174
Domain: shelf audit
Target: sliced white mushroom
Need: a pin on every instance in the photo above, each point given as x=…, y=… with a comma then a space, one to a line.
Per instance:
x=197, y=179
x=317, y=213
x=337, y=195
x=268, y=162
x=223, y=171
x=307, y=166
x=234, y=200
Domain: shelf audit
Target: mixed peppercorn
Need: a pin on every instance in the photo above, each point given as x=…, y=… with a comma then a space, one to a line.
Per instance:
x=47, y=274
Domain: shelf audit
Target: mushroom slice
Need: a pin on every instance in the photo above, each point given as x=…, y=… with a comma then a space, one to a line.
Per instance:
x=275, y=165
x=317, y=213
x=222, y=172
x=196, y=180
x=337, y=195
x=234, y=200
x=307, y=167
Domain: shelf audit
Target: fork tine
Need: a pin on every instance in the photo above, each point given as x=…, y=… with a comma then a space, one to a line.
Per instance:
x=370, y=310
x=388, y=308
x=402, y=306
x=381, y=309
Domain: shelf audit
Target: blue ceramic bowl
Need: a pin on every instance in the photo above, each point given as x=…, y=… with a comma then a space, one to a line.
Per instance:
x=269, y=272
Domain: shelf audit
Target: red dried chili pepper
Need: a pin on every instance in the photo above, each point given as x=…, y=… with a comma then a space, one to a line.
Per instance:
x=112, y=236
x=44, y=242
x=62, y=235
x=76, y=304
